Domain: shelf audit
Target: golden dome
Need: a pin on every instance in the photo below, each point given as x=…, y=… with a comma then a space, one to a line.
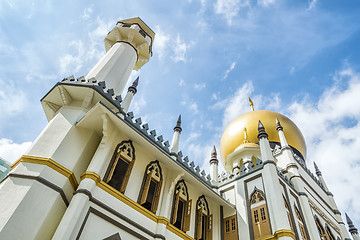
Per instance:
x=234, y=135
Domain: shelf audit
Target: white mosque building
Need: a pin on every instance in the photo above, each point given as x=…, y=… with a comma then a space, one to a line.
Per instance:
x=96, y=172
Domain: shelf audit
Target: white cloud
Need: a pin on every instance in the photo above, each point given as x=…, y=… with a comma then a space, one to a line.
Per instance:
x=161, y=42
x=232, y=66
x=266, y=3
x=292, y=71
x=199, y=86
x=194, y=108
x=180, y=49
x=87, y=12
x=312, y=4
x=214, y=96
x=331, y=128
x=82, y=53
x=11, y=151
x=229, y=8
x=237, y=104
x=182, y=82
x=12, y=99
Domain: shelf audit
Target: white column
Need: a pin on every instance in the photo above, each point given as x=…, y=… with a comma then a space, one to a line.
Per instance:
x=115, y=67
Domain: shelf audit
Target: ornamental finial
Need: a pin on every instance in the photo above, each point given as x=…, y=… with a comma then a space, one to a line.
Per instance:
x=251, y=104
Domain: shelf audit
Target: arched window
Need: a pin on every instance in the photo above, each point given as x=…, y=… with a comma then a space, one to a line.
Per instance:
x=288, y=215
x=300, y=223
x=203, y=220
x=260, y=219
x=181, y=209
x=329, y=233
x=151, y=187
x=122, y=162
x=323, y=235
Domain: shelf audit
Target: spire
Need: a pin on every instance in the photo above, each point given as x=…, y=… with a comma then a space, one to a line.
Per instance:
x=251, y=104
x=178, y=125
x=176, y=137
x=133, y=87
x=129, y=95
x=214, y=158
x=352, y=229
x=278, y=125
x=317, y=171
x=282, y=137
x=261, y=130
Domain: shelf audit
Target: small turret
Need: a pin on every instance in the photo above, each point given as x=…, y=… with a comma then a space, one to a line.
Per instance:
x=352, y=229
x=129, y=95
x=282, y=138
x=214, y=163
x=174, y=148
x=265, y=148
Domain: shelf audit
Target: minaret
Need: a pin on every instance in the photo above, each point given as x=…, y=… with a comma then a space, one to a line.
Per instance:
x=214, y=164
x=332, y=201
x=129, y=95
x=174, y=148
x=352, y=229
x=321, y=179
x=282, y=138
x=128, y=47
x=52, y=166
x=286, y=158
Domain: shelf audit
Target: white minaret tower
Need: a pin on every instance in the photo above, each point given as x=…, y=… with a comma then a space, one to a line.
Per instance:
x=128, y=46
x=129, y=95
x=39, y=189
x=214, y=164
x=174, y=148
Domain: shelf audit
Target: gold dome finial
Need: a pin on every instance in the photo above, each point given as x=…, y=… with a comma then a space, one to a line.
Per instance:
x=245, y=136
x=251, y=104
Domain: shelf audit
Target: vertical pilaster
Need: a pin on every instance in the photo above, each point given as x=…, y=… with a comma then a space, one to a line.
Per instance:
x=277, y=210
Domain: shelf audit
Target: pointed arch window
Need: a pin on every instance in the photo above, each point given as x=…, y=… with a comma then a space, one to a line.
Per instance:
x=122, y=162
x=322, y=233
x=181, y=209
x=260, y=219
x=204, y=220
x=300, y=223
x=329, y=233
x=150, y=192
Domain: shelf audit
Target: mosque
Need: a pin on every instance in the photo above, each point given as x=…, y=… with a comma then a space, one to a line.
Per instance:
x=97, y=172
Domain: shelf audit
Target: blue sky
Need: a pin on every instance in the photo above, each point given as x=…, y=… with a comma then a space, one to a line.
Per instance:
x=299, y=58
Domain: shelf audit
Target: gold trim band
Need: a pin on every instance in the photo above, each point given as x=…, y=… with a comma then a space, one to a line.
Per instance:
x=131, y=203
x=280, y=233
x=50, y=163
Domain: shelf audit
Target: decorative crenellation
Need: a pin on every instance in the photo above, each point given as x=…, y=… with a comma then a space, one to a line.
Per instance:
x=226, y=177
x=137, y=124
x=286, y=179
x=184, y=161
